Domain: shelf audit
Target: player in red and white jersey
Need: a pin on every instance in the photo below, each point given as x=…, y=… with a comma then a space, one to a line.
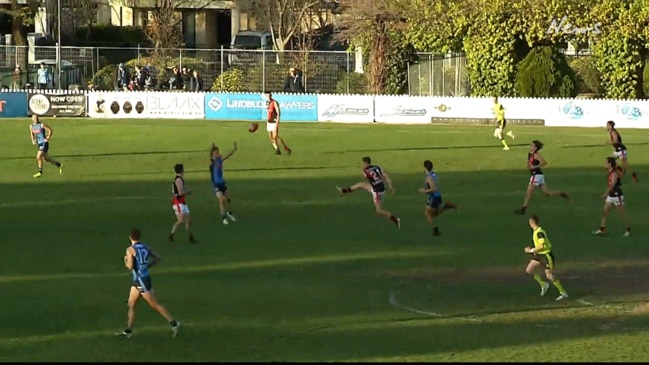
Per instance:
x=375, y=185
x=272, y=124
x=178, y=203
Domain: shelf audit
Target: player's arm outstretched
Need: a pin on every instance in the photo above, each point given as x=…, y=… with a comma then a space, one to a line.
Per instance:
x=388, y=180
x=234, y=149
x=432, y=187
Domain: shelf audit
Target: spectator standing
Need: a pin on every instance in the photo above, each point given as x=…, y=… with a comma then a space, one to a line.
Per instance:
x=187, y=77
x=43, y=76
x=196, y=82
x=176, y=80
x=16, y=79
x=122, y=78
x=293, y=83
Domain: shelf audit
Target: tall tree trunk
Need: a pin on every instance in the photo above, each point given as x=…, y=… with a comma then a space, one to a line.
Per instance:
x=19, y=34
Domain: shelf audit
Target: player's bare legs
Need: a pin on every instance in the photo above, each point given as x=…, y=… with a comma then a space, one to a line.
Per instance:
x=224, y=204
x=621, y=211
x=150, y=297
x=623, y=169
x=544, y=189
x=378, y=207
x=377, y=203
x=180, y=219
x=361, y=185
x=274, y=137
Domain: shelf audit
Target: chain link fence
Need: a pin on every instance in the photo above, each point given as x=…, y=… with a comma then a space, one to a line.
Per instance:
x=438, y=75
x=323, y=72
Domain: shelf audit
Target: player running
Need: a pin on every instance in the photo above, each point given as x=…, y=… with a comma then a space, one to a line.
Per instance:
x=272, y=124
x=377, y=178
x=179, y=205
x=41, y=133
x=138, y=259
x=220, y=188
x=499, y=112
x=542, y=257
x=619, y=149
x=613, y=198
x=435, y=205
x=534, y=163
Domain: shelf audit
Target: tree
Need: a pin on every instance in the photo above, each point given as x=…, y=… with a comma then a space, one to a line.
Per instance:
x=619, y=47
x=545, y=73
x=85, y=12
x=21, y=16
x=164, y=28
x=377, y=26
x=283, y=18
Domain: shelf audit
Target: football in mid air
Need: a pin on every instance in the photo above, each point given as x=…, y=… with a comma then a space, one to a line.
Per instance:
x=253, y=127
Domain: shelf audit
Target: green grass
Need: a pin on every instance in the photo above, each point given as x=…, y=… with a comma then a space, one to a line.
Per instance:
x=307, y=275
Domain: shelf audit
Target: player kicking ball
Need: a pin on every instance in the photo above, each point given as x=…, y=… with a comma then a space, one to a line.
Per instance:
x=377, y=178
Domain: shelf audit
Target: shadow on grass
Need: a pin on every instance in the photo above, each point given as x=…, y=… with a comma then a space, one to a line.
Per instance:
x=431, y=148
x=603, y=145
x=107, y=154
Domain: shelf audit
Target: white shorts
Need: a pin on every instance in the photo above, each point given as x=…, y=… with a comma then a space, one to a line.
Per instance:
x=180, y=209
x=377, y=197
x=617, y=201
x=271, y=127
x=620, y=154
x=537, y=180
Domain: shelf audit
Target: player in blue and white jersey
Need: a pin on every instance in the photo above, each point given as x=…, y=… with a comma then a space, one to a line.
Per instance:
x=40, y=133
x=139, y=259
x=435, y=205
x=220, y=187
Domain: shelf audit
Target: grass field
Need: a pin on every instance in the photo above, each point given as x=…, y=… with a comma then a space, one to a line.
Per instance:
x=307, y=275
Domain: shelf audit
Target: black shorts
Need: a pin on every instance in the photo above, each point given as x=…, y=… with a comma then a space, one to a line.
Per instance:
x=220, y=188
x=143, y=284
x=503, y=124
x=547, y=260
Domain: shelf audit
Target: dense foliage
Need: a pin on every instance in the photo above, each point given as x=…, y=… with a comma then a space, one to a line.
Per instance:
x=545, y=72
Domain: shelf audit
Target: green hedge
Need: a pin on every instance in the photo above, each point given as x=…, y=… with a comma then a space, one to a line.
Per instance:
x=545, y=72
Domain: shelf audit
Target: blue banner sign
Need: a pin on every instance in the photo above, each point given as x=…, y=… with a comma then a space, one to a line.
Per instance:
x=252, y=107
x=13, y=105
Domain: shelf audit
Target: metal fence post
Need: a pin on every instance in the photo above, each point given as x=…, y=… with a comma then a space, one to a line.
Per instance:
x=222, y=54
x=263, y=70
x=349, y=76
x=180, y=58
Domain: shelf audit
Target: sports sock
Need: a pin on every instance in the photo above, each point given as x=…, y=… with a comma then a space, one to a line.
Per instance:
x=539, y=280
x=504, y=143
x=40, y=170
x=275, y=145
x=435, y=230
x=346, y=190
x=394, y=218
x=523, y=209
x=557, y=284
x=602, y=228
x=58, y=164
x=173, y=323
x=128, y=330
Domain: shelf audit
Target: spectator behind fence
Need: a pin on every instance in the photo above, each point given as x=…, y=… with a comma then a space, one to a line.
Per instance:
x=16, y=78
x=176, y=80
x=196, y=82
x=122, y=78
x=293, y=83
x=44, y=76
x=187, y=77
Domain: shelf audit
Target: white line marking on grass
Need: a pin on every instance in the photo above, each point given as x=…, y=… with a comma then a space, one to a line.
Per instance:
x=584, y=302
x=395, y=303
